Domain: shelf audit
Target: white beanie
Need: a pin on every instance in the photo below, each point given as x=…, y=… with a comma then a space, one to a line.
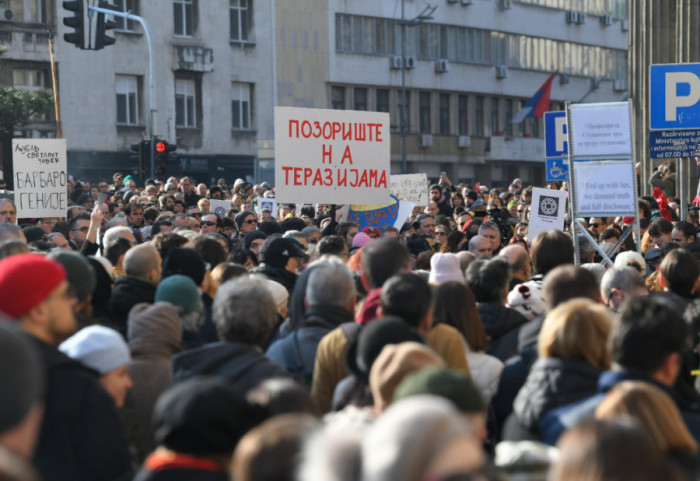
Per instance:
x=100, y=348
x=444, y=267
x=279, y=293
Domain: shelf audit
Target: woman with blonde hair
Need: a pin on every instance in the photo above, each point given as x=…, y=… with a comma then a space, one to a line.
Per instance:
x=659, y=415
x=573, y=352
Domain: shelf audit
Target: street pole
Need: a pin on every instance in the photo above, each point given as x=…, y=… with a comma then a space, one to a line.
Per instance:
x=151, y=77
x=404, y=30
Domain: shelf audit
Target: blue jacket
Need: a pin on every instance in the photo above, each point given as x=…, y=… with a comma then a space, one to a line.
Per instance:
x=555, y=422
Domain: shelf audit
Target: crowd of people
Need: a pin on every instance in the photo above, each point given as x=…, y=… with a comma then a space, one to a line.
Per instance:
x=144, y=336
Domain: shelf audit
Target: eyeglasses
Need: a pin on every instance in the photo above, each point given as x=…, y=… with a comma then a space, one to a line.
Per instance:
x=251, y=221
x=195, y=214
x=593, y=224
x=441, y=234
x=103, y=186
x=208, y=222
x=81, y=229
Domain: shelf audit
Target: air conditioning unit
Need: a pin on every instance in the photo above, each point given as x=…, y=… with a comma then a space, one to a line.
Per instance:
x=409, y=62
x=464, y=141
x=564, y=79
x=572, y=17
x=395, y=62
x=501, y=71
x=625, y=25
x=620, y=85
x=504, y=4
x=606, y=20
x=442, y=65
x=467, y=2
x=425, y=140
x=6, y=14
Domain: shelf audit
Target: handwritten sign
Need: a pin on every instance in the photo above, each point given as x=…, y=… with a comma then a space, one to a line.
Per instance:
x=547, y=211
x=40, y=167
x=394, y=213
x=411, y=188
x=605, y=188
x=601, y=129
x=331, y=156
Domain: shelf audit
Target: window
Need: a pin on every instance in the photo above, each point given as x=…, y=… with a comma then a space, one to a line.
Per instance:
x=240, y=20
x=185, y=113
x=424, y=112
x=31, y=81
x=240, y=106
x=338, y=98
x=445, y=114
x=382, y=100
x=360, y=98
x=125, y=6
x=463, y=115
x=495, y=120
x=184, y=17
x=509, y=117
x=479, y=121
x=127, y=100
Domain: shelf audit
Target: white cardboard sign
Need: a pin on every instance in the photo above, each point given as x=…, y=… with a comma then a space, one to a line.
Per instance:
x=601, y=129
x=40, y=175
x=411, y=188
x=331, y=156
x=605, y=188
x=219, y=207
x=547, y=211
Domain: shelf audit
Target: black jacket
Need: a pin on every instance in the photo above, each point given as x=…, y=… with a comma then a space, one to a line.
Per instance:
x=277, y=274
x=81, y=437
x=126, y=293
x=553, y=382
x=501, y=325
x=243, y=365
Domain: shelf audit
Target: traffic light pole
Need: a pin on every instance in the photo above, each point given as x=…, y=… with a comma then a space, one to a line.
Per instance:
x=151, y=76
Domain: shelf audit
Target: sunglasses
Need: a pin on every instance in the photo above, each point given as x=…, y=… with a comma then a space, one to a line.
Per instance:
x=81, y=229
x=208, y=222
x=198, y=214
x=441, y=234
x=251, y=221
x=593, y=224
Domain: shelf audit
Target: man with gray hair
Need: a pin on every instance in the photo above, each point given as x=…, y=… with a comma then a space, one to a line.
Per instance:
x=492, y=232
x=11, y=232
x=620, y=284
x=245, y=317
x=330, y=296
x=143, y=268
x=480, y=246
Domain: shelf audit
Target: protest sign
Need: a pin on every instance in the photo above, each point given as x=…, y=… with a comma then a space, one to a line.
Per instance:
x=604, y=189
x=601, y=129
x=331, y=156
x=219, y=207
x=395, y=214
x=40, y=174
x=267, y=203
x=411, y=188
x=547, y=211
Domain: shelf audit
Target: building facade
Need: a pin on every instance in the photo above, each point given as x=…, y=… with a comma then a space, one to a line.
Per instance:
x=222, y=66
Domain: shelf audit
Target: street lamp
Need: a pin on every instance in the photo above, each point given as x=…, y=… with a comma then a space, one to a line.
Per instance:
x=426, y=14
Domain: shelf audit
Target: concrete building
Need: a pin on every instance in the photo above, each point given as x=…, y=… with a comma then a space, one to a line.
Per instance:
x=221, y=67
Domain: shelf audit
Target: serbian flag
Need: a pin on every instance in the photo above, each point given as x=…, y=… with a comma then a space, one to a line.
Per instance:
x=538, y=104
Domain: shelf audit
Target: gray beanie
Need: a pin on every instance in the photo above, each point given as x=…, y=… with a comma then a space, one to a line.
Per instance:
x=100, y=348
x=407, y=438
x=81, y=275
x=21, y=376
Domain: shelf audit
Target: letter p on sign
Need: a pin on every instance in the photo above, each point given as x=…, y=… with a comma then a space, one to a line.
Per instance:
x=674, y=92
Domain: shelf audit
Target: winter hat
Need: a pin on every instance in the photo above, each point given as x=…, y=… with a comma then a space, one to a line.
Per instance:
x=279, y=293
x=21, y=375
x=631, y=259
x=180, y=291
x=444, y=267
x=202, y=416
x=393, y=364
x=371, y=230
x=182, y=260
x=81, y=275
x=26, y=280
x=407, y=438
x=251, y=236
x=276, y=251
x=362, y=353
x=154, y=326
x=361, y=239
x=447, y=383
x=240, y=217
x=472, y=195
x=100, y=348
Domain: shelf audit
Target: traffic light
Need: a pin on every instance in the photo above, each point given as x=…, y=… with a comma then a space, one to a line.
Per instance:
x=161, y=149
x=143, y=150
x=80, y=22
x=103, y=24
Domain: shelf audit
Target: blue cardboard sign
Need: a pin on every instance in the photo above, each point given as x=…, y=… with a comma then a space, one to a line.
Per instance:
x=556, y=140
x=674, y=96
x=557, y=169
x=674, y=144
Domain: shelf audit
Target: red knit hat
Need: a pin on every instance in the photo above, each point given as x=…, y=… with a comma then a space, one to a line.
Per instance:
x=26, y=280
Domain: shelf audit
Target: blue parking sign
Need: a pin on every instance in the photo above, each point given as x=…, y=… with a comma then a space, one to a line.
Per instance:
x=557, y=169
x=556, y=141
x=674, y=96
